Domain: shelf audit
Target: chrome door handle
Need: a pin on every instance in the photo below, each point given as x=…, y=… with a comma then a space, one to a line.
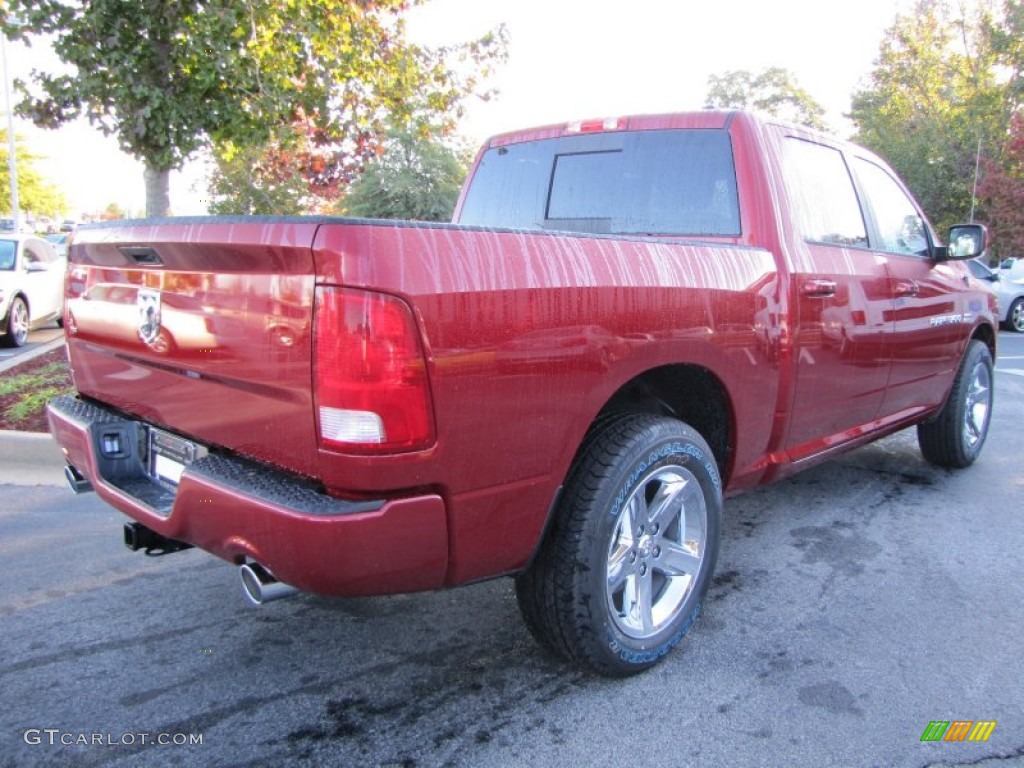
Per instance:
x=904, y=288
x=818, y=288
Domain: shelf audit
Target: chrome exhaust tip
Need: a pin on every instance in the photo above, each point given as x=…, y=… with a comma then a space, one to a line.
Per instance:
x=77, y=482
x=260, y=586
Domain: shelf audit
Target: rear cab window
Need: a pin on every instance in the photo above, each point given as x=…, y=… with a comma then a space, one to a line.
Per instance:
x=658, y=182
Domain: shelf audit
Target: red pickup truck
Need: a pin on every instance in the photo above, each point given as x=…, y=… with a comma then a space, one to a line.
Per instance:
x=628, y=320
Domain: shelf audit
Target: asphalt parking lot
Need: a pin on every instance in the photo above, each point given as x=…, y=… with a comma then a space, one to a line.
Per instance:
x=853, y=605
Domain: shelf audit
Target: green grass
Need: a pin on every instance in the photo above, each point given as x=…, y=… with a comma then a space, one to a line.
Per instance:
x=24, y=395
x=26, y=382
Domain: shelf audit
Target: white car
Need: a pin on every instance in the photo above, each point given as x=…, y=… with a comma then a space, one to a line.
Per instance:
x=31, y=286
x=1009, y=292
x=1012, y=269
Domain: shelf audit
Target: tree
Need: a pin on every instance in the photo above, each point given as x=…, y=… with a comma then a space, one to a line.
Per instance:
x=113, y=212
x=773, y=91
x=1001, y=192
x=35, y=195
x=935, y=102
x=414, y=178
x=171, y=78
x=286, y=175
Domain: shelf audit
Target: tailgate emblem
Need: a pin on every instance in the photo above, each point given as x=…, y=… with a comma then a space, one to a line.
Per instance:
x=148, y=305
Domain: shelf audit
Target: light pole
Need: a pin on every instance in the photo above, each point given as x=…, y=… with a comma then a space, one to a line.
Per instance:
x=12, y=161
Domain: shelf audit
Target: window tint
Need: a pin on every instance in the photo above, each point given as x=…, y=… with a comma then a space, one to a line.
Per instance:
x=7, y=250
x=901, y=228
x=825, y=203
x=645, y=182
x=980, y=271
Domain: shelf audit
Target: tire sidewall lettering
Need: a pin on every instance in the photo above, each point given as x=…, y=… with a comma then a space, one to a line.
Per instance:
x=683, y=452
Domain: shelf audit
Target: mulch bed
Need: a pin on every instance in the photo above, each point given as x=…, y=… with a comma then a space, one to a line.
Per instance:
x=35, y=421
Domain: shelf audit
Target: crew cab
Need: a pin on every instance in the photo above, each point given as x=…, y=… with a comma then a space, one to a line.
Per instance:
x=629, y=320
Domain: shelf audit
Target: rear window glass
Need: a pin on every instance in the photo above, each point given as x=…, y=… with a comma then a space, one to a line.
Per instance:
x=679, y=182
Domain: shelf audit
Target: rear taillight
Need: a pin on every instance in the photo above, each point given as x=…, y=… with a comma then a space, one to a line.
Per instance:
x=372, y=394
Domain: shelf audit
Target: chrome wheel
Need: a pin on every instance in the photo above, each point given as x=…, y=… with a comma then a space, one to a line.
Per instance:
x=978, y=405
x=17, y=323
x=955, y=436
x=1016, y=319
x=625, y=566
x=656, y=552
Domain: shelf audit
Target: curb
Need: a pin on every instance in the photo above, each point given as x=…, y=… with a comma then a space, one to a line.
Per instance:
x=30, y=458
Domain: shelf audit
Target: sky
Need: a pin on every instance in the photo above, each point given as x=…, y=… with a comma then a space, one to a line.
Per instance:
x=568, y=60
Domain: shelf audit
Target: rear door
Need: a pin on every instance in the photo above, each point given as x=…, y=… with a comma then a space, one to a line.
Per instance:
x=43, y=278
x=842, y=299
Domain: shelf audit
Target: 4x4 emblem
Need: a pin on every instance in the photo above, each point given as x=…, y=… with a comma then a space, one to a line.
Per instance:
x=148, y=305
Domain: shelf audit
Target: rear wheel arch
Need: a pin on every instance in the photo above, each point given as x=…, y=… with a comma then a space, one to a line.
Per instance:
x=690, y=393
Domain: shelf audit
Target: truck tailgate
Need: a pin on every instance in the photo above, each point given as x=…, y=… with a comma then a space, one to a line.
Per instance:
x=203, y=327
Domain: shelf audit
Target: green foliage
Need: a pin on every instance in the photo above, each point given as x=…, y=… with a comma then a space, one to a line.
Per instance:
x=264, y=180
x=170, y=78
x=415, y=178
x=35, y=195
x=937, y=90
x=113, y=211
x=773, y=91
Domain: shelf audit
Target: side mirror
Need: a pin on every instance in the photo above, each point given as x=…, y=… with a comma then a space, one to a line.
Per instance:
x=36, y=266
x=966, y=241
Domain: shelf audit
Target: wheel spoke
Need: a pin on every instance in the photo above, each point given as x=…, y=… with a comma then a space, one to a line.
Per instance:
x=677, y=560
x=645, y=602
x=636, y=516
x=618, y=569
x=667, y=502
x=977, y=407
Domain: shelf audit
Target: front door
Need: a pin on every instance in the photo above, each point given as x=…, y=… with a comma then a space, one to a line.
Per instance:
x=929, y=312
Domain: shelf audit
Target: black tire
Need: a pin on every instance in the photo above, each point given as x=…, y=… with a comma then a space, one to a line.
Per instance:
x=17, y=324
x=956, y=436
x=623, y=571
x=1015, y=317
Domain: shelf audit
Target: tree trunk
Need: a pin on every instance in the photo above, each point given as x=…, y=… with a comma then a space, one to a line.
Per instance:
x=158, y=196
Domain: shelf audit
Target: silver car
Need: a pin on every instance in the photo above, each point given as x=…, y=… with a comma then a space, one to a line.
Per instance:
x=1010, y=294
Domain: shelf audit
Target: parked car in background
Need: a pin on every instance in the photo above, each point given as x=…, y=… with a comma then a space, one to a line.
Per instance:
x=1012, y=269
x=59, y=241
x=1009, y=292
x=31, y=286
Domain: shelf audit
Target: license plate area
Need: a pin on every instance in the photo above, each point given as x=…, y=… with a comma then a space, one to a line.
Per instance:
x=167, y=456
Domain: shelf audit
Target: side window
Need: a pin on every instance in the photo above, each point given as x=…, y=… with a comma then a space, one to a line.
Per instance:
x=825, y=202
x=32, y=256
x=900, y=226
x=7, y=252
